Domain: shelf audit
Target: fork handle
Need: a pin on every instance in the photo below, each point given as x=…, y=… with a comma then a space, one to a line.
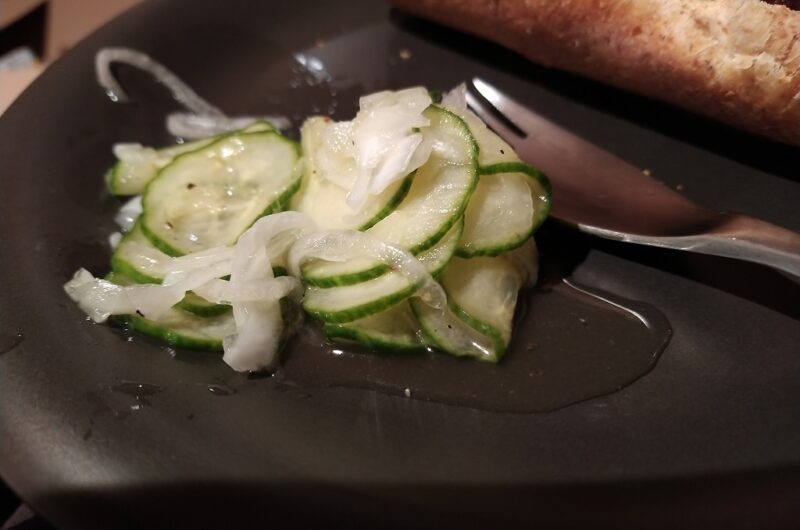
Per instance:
x=762, y=242
x=738, y=236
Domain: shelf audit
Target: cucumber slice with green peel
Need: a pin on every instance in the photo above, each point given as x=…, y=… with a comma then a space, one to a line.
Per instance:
x=197, y=305
x=209, y=197
x=437, y=199
x=191, y=302
x=325, y=201
x=496, y=156
x=180, y=329
x=396, y=329
x=138, y=164
x=483, y=293
x=138, y=259
x=491, y=148
x=450, y=334
x=352, y=302
x=537, y=181
x=499, y=217
x=177, y=327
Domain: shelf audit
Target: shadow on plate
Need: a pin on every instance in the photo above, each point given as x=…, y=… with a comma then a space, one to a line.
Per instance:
x=746, y=500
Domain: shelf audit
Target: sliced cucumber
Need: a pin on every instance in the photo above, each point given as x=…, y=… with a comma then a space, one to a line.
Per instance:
x=483, y=293
x=437, y=199
x=499, y=216
x=491, y=148
x=137, y=258
x=210, y=196
x=537, y=181
x=496, y=156
x=352, y=302
x=197, y=305
x=177, y=327
x=395, y=329
x=180, y=329
x=140, y=164
x=324, y=200
x=448, y=333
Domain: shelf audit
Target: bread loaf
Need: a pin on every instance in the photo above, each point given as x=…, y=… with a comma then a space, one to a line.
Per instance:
x=734, y=60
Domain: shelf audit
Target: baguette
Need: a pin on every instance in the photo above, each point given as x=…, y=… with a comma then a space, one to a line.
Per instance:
x=737, y=61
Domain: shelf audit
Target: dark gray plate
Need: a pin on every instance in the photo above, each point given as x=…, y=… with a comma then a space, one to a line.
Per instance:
x=712, y=435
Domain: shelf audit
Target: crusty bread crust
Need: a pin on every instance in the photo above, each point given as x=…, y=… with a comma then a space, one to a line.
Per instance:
x=734, y=60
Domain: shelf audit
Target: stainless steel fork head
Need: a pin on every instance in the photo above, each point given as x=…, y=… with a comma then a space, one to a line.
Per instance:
x=601, y=194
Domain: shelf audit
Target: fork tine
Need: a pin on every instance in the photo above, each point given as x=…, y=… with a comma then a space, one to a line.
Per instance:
x=515, y=112
x=485, y=113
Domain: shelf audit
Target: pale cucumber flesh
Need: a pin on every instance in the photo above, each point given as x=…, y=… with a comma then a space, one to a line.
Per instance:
x=209, y=197
x=352, y=302
x=130, y=176
x=437, y=199
x=325, y=201
x=499, y=217
x=396, y=328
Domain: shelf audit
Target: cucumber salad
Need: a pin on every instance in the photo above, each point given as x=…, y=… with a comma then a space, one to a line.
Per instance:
x=409, y=227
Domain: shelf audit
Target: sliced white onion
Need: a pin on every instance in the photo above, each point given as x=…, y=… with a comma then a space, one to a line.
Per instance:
x=339, y=245
x=456, y=99
x=100, y=298
x=180, y=90
x=395, y=163
x=203, y=120
x=222, y=292
x=113, y=239
x=193, y=126
x=380, y=146
x=128, y=213
x=179, y=268
x=259, y=323
x=248, y=264
x=384, y=139
x=133, y=152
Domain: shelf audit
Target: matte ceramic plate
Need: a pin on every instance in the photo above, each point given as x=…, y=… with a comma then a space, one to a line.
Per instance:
x=710, y=436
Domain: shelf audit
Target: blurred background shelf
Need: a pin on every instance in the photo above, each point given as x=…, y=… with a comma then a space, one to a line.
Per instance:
x=34, y=33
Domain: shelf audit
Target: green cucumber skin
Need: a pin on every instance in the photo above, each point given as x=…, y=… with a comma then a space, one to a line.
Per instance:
x=278, y=205
x=342, y=280
x=110, y=176
x=121, y=266
x=201, y=307
x=151, y=329
x=339, y=333
x=171, y=338
x=191, y=303
x=482, y=328
x=157, y=242
x=398, y=197
x=494, y=251
x=541, y=213
x=429, y=337
x=363, y=310
x=435, y=238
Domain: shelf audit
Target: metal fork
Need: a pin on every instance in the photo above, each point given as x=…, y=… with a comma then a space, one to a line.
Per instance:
x=603, y=195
